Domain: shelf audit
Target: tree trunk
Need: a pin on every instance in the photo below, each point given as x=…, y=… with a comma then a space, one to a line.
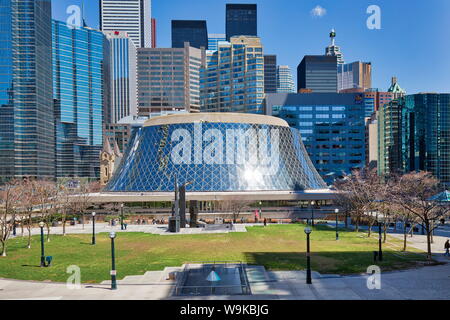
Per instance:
x=405, y=233
x=427, y=226
x=64, y=223
x=370, y=230
x=29, y=232
x=431, y=231
x=346, y=221
x=3, y=248
x=384, y=232
x=48, y=232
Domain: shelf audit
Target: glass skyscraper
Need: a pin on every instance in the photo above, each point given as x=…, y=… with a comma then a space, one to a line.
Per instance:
x=270, y=73
x=193, y=31
x=285, y=82
x=123, y=75
x=241, y=20
x=233, y=80
x=80, y=73
x=27, y=141
x=317, y=74
x=213, y=40
x=331, y=126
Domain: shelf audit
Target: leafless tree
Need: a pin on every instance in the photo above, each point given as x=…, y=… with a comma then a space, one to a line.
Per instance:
x=9, y=200
x=235, y=207
x=83, y=198
x=29, y=202
x=46, y=194
x=413, y=192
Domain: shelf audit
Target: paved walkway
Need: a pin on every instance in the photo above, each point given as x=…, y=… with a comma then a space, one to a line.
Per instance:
x=431, y=282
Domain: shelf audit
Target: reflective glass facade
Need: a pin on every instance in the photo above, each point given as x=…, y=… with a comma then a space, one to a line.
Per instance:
x=26, y=108
x=332, y=128
x=80, y=59
x=233, y=80
x=241, y=20
x=192, y=31
x=318, y=73
x=216, y=156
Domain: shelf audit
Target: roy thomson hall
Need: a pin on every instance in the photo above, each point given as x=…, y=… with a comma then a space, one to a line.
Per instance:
x=226, y=162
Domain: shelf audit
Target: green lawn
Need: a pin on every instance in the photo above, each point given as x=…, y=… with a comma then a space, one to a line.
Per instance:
x=277, y=247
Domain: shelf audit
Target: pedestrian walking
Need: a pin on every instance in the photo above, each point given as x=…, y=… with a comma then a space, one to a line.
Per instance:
x=265, y=222
x=447, y=248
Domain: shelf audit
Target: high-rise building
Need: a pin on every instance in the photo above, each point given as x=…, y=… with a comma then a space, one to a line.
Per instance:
x=371, y=139
x=318, y=74
x=285, y=82
x=241, y=20
x=331, y=127
x=123, y=76
x=193, y=31
x=270, y=73
x=426, y=134
x=355, y=75
x=81, y=61
x=395, y=89
x=169, y=79
x=233, y=80
x=130, y=16
x=27, y=143
x=214, y=39
x=333, y=49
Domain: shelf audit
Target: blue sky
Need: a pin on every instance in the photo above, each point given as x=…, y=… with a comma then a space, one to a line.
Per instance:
x=412, y=44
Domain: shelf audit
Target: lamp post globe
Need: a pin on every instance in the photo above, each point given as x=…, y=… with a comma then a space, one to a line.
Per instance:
x=121, y=217
x=312, y=212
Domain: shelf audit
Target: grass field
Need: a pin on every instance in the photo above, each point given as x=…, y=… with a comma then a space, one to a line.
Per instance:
x=277, y=247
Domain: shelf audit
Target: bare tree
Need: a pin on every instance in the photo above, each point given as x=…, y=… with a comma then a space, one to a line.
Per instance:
x=64, y=203
x=413, y=192
x=9, y=199
x=83, y=198
x=235, y=207
x=46, y=194
x=29, y=202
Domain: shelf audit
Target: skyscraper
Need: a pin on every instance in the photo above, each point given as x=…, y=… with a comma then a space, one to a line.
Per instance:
x=233, y=80
x=193, y=31
x=130, y=16
x=355, y=75
x=331, y=127
x=318, y=74
x=81, y=93
x=285, y=82
x=241, y=20
x=123, y=77
x=154, y=33
x=213, y=40
x=333, y=49
x=27, y=143
x=169, y=79
x=270, y=73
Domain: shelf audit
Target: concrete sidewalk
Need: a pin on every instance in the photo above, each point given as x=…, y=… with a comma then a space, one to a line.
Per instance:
x=431, y=282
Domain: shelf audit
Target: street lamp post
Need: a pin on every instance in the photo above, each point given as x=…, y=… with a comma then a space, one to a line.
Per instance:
x=260, y=210
x=121, y=216
x=93, y=228
x=312, y=213
x=308, y=256
x=41, y=225
x=337, y=232
x=380, y=250
x=112, y=235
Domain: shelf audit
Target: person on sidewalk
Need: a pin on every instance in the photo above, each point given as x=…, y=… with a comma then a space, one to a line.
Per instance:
x=447, y=248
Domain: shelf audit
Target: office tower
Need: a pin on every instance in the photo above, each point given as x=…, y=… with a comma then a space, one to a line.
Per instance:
x=81, y=93
x=213, y=40
x=395, y=89
x=374, y=99
x=130, y=16
x=371, y=140
x=390, y=138
x=355, y=75
x=317, y=74
x=333, y=49
x=331, y=126
x=154, y=33
x=241, y=20
x=233, y=80
x=193, y=31
x=27, y=141
x=123, y=77
x=285, y=82
x=270, y=73
x=169, y=79
x=425, y=134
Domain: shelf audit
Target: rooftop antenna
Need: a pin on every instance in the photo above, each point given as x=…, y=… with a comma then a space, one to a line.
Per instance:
x=82, y=14
x=332, y=36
